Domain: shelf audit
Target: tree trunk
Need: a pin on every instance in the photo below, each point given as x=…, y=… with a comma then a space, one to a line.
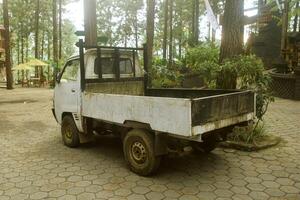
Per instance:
x=213, y=31
x=60, y=29
x=136, y=31
x=55, y=38
x=166, y=19
x=296, y=19
x=195, y=24
x=42, y=45
x=22, y=43
x=9, y=79
x=171, y=33
x=232, y=40
x=181, y=32
x=192, y=37
x=213, y=36
x=27, y=48
x=125, y=40
x=196, y=34
x=90, y=22
x=37, y=19
x=208, y=31
x=18, y=49
x=48, y=46
x=150, y=34
x=299, y=24
x=232, y=30
x=285, y=24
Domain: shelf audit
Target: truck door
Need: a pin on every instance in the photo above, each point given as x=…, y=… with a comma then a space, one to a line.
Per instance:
x=67, y=91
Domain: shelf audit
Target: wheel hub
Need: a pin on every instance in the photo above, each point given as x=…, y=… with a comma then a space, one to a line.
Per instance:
x=69, y=133
x=139, y=152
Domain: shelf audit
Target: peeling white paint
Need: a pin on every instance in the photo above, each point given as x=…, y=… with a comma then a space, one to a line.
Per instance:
x=198, y=130
x=172, y=115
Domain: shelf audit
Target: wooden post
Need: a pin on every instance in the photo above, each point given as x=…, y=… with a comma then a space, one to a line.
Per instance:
x=90, y=22
x=285, y=22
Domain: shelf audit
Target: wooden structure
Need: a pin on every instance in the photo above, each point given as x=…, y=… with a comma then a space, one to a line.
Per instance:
x=291, y=52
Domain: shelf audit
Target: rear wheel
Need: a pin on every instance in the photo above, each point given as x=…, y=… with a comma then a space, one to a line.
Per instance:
x=70, y=134
x=138, y=147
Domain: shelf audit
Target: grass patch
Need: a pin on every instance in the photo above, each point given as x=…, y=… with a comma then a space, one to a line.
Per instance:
x=250, y=134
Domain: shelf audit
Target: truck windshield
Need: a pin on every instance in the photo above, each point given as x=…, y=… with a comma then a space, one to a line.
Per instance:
x=70, y=71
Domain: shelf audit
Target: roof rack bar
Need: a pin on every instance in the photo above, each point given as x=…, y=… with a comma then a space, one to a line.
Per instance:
x=108, y=47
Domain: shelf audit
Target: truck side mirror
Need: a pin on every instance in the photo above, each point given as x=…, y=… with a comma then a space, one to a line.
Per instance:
x=57, y=78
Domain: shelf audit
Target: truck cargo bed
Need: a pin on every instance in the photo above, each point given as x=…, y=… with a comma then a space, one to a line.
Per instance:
x=183, y=112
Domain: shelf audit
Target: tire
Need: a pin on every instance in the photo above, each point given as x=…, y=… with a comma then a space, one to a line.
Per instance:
x=69, y=132
x=138, y=148
x=205, y=146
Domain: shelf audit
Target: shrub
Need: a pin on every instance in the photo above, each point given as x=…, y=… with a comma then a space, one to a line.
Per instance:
x=165, y=76
x=203, y=60
x=250, y=75
x=248, y=134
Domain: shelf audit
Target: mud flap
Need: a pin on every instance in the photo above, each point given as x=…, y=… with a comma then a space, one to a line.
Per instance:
x=87, y=135
x=161, y=147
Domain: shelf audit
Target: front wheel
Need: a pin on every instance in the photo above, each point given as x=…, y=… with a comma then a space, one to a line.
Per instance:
x=138, y=147
x=69, y=132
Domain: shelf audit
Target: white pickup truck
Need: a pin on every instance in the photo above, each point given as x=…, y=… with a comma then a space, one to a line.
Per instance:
x=104, y=89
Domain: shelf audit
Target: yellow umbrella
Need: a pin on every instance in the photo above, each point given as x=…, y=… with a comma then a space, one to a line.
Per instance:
x=22, y=67
x=36, y=62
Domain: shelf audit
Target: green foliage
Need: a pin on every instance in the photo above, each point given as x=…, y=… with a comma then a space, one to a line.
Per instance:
x=164, y=76
x=203, y=60
x=120, y=22
x=250, y=72
x=248, y=134
x=23, y=26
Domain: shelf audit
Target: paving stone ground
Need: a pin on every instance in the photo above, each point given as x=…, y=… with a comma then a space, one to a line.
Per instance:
x=34, y=163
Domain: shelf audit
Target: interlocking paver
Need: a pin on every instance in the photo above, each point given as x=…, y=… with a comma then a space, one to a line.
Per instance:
x=57, y=193
x=75, y=190
x=223, y=193
x=274, y=192
x=270, y=184
x=172, y=193
x=239, y=190
x=35, y=164
x=86, y=196
x=39, y=195
x=154, y=195
x=123, y=192
x=290, y=189
x=158, y=188
x=140, y=190
x=258, y=195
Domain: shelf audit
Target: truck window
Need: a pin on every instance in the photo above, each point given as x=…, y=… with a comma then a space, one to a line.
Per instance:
x=125, y=66
x=70, y=71
x=108, y=66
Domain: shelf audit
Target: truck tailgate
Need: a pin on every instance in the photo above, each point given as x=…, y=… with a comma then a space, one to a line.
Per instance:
x=213, y=112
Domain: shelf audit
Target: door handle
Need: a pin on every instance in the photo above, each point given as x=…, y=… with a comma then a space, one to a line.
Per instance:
x=73, y=90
